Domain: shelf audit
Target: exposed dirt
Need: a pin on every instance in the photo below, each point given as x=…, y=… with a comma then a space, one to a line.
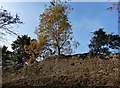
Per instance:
x=70, y=71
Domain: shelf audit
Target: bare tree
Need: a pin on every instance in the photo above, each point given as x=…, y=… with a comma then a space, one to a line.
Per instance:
x=7, y=21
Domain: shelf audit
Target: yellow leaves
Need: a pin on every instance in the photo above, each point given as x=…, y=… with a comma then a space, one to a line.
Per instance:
x=54, y=30
x=42, y=30
x=33, y=49
x=42, y=39
x=41, y=26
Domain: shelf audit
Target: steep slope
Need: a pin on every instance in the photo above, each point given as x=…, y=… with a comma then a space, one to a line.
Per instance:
x=72, y=70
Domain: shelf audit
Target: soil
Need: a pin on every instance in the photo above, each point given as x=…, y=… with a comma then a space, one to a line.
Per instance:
x=71, y=71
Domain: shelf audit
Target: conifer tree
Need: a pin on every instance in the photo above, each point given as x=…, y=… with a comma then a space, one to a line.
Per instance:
x=20, y=55
x=101, y=42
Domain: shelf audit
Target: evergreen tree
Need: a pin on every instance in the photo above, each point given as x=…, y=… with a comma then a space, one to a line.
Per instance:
x=101, y=43
x=18, y=48
x=6, y=57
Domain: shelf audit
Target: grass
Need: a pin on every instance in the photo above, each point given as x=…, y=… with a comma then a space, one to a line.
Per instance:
x=17, y=66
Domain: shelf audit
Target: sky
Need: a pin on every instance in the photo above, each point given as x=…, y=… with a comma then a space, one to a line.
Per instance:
x=62, y=0
x=86, y=17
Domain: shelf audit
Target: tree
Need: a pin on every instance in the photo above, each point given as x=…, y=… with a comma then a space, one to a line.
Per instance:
x=6, y=57
x=33, y=49
x=7, y=21
x=18, y=48
x=101, y=43
x=115, y=6
x=57, y=1
x=114, y=41
x=0, y=56
x=56, y=28
x=98, y=43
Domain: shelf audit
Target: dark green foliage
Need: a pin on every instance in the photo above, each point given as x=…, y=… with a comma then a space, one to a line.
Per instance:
x=6, y=57
x=0, y=56
x=101, y=43
x=20, y=56
x=114, y=42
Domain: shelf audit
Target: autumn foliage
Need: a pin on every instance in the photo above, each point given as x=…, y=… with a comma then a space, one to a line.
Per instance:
x=56, y=29
x=54, y=36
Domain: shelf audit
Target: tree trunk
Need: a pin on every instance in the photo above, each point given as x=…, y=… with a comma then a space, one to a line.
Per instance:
x=59, y=50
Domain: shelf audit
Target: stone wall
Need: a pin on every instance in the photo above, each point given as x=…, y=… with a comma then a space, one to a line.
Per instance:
x=99, y=70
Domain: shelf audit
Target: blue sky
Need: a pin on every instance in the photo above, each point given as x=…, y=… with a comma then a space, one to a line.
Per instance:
x=86, y=17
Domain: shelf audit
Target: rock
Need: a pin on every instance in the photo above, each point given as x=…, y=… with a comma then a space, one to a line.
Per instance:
x=100, y=70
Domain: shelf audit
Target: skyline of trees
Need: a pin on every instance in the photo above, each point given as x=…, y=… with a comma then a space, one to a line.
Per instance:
x=54, y=38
